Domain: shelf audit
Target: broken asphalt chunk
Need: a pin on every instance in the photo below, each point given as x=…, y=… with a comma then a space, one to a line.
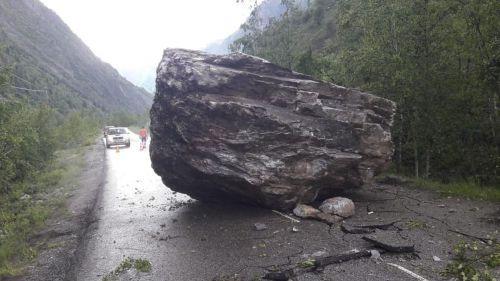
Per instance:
x=390, y=241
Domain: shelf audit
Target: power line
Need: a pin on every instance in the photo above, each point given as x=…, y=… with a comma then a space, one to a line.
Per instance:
x=22, y=79
x=26, y=89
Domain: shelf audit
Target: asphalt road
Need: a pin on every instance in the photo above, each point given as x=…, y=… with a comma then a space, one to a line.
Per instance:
x=138, y=217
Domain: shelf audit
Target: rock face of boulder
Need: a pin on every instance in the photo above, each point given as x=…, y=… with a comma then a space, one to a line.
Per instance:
x=239, y=128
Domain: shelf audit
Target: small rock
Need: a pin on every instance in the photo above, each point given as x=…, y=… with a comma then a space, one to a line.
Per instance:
x=329, y=219
x=260, y=226
x=475, y=209
x=436, y=258
x=319, y=254
x=295, y=229
x=305, y=211
x=340, y=206
x=375, y=254
x=452, y=211
x=441, y=205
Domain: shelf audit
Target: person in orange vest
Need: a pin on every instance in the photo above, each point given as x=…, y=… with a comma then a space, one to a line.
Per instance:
x=143, y=134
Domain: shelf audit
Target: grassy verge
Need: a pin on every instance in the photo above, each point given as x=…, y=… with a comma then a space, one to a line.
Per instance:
x=31, y=202
x=460, y=189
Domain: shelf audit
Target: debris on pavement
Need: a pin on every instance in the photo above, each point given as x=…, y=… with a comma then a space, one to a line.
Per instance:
x=375, y=254
x=260, y=226
x=390, y=241
x=305, y=211
x=340, y=206
x=369, y=228
x=314, y=265
x=285, y=216
x=436, y=258
x=356, y=230
x=328, y=219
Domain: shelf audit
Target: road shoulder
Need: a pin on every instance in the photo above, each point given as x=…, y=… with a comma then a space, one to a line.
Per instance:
x=61, y=237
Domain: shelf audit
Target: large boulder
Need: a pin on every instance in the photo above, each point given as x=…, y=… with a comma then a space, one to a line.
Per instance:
x=239, y=128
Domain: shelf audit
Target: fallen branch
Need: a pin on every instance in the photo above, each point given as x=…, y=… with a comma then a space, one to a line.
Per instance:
x=320, y=263
x=314, y=265
x=388, y=242
x=482, y=239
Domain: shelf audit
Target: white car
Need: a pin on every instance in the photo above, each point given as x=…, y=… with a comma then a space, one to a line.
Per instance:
x=118, y=136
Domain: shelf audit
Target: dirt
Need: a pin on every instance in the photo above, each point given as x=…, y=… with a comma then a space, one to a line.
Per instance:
x=64, y=231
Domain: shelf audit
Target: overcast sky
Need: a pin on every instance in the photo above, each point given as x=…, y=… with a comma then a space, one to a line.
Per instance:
x=131, y=34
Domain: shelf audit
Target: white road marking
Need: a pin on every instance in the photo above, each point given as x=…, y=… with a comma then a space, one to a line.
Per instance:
x=413, y=274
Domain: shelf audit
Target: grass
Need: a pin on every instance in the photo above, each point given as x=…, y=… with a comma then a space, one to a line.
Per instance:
x=460, y=189
x=141, y=265
x=307, y=263
x=25, y=209
x=416, y=224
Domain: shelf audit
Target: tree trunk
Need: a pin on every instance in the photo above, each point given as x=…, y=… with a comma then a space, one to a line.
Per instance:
x=415, y=151
x=427, y=164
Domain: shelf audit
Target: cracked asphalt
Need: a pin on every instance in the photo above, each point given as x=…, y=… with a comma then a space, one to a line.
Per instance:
x=137, y=216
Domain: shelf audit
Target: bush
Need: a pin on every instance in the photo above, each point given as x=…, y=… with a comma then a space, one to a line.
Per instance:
x=29, y=138
x=27, y=142
x=76, y=129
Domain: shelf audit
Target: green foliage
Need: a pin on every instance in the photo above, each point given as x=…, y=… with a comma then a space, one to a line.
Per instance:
x=464, y=189
x=27, y=205
x=125, y=119
x=438, y=60
x=77, y=128
x=307, y=263
x=474, y=261
x=141, y=265
x=416, y=224
x=26, y=142
x=29, y=138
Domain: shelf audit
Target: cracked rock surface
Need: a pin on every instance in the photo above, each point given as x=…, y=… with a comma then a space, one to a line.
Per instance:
x=238, y=128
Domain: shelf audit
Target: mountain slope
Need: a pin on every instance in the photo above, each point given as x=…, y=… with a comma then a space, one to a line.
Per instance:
x=262, y=15
x=46, y=55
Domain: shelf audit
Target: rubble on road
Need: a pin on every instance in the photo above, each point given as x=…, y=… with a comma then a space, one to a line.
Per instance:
x=305, y=211
x=339, y=206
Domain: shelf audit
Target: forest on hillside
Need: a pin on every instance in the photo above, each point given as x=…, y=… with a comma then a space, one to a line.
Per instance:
x=439, y=60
